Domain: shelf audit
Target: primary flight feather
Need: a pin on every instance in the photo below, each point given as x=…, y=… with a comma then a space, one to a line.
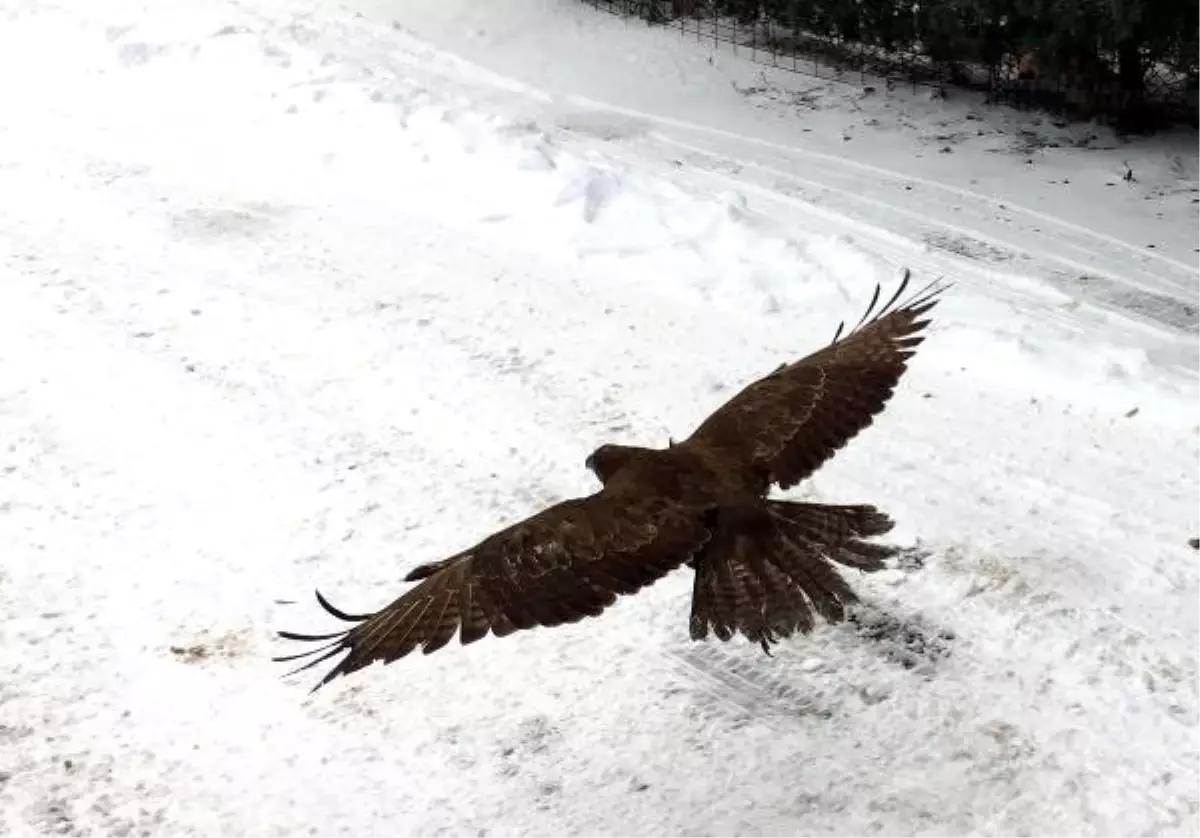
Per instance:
x=762, y=567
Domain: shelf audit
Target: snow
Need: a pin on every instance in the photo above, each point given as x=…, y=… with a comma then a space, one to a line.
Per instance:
x=299, y=295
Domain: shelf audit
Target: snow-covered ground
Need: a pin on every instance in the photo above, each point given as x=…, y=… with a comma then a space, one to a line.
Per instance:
x=300, y=294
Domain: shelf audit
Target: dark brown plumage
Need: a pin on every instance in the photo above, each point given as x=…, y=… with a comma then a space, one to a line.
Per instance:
x=762, y=567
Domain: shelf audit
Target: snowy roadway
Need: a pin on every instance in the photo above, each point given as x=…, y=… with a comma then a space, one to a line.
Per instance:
x=294, y=300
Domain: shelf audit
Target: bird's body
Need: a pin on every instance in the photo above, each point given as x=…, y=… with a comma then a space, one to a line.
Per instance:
x=682, y=471
x=762, y=566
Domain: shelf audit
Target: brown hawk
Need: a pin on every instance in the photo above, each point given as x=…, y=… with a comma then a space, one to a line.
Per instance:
x=762, y=566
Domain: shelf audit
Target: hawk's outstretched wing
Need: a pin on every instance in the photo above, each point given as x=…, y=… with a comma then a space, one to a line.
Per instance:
x=568, y=562
x=788, y=423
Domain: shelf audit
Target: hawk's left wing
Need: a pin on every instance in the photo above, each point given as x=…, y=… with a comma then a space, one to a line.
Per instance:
x=565, y=563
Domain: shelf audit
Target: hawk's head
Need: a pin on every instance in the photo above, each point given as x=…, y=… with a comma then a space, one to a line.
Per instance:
x=607, y=460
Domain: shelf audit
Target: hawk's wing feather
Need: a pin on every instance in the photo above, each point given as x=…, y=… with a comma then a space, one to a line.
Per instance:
x=568, y=562
x=787, y=424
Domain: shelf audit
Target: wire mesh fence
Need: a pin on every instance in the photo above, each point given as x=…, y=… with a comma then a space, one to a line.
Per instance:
x=946, y=44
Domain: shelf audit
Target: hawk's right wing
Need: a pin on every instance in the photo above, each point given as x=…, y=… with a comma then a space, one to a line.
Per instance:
x=565, y=563
x=786, y=424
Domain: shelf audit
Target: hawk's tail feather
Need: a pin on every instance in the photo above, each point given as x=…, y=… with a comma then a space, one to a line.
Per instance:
x=837, y=532
x=737, y=590
x=764, y=576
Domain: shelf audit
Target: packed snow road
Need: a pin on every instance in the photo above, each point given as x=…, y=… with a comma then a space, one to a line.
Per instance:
x=296, y=300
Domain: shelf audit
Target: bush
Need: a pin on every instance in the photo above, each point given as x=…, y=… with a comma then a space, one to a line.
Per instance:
x=1130, y=59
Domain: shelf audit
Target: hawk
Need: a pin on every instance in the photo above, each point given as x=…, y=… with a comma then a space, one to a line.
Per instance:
x=763, y=568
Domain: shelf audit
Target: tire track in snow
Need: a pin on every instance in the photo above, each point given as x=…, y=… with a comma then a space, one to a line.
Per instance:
x=1067, y=258
x=897, y=234
x=834, y=162
x=1159, y=327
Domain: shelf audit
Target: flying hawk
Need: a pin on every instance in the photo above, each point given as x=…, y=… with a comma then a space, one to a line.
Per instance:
x=762, y=567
